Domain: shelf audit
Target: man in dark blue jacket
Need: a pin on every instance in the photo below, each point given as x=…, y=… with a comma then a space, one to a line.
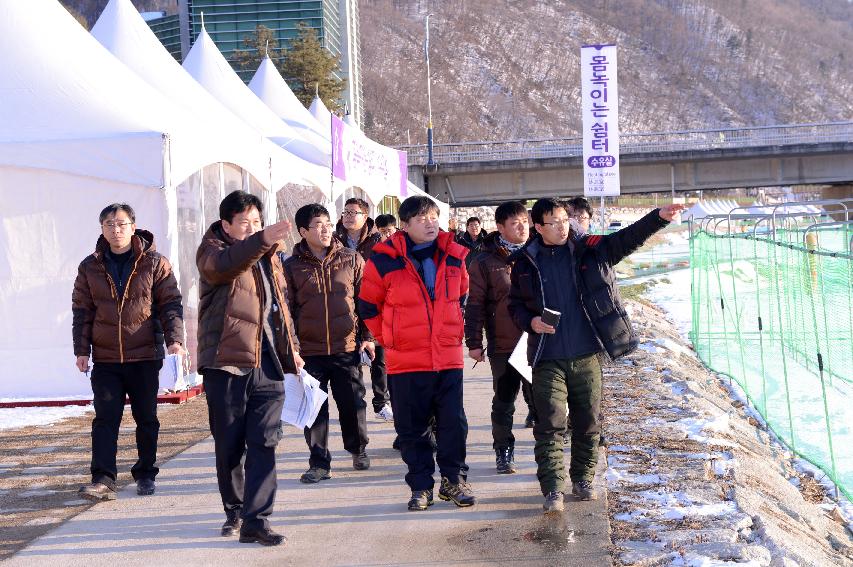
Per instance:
x=573, y=276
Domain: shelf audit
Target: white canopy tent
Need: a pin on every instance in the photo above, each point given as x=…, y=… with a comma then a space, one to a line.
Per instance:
x=206, y=64
x=78, y=130
x=269, y=86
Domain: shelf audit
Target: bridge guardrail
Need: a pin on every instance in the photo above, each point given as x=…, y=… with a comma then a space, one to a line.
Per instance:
x=637, y=143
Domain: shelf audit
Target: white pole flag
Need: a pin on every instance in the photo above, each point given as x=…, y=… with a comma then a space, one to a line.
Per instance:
x=600, y=105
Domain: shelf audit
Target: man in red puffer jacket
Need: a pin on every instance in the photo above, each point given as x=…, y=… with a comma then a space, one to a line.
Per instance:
x=411, y=299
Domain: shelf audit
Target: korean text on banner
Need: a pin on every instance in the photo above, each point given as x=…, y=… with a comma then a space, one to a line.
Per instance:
x=600, y=104
x=359, y=161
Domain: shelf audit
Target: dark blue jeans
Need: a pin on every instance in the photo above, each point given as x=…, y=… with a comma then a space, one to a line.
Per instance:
x=415, y=398
x=111, y=383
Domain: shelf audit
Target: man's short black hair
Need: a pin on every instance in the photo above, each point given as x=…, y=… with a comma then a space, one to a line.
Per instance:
x=238, y=201
x=508, y=210
x=415, y=206
x=115, y=208
x=544, y=207
x=383, y=221
x=580, y=204
x=472, y=219
x=362, y=204
x=307, y=213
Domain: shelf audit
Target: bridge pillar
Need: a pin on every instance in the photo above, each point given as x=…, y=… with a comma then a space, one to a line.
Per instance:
x=838, y=192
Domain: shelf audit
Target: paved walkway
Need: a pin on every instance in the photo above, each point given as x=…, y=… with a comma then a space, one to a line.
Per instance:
x=356, y=518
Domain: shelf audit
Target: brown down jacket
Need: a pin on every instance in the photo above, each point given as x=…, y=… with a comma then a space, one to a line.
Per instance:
x=230, y=302
x=322, y=299
x=488, y=298
x=134, y=327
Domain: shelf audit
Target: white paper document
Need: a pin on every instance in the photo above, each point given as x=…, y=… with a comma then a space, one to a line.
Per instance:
x=303, y=399
x=518, y=359
x=172, y=373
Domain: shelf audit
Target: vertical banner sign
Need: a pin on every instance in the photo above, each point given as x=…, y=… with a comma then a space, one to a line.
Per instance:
x=600, y=104
x=359, y=161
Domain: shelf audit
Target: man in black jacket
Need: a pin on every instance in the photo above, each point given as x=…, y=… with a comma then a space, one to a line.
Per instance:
x=575, y=277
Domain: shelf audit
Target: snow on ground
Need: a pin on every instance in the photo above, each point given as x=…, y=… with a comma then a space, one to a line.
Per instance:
x=11, y=418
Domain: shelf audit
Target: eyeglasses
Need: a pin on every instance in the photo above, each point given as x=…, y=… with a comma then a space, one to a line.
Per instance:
x=110, y=225
x=321, y=225
x=558, y=222
x=351, y=213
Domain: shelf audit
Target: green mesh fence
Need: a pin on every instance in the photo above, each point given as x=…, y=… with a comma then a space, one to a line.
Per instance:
x=774, y=311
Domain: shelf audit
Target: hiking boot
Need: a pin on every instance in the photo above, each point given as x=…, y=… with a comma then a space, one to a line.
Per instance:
x=97, y=492
x=360, y=461
x=420, y=500
x=314, y=475
x=583, y=490
x=232, y=524
x=263, y=536
x=145, y=486
x=386, y=413
x=553, y=502
x=530, y=420
x=460, y=494
x=504, y=460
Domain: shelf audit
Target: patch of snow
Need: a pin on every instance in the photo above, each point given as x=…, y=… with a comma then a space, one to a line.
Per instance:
x=13, y=418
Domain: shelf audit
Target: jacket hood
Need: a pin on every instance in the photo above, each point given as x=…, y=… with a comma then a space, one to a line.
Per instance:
x=367, y=230
x=395, y=246
x=141, y=241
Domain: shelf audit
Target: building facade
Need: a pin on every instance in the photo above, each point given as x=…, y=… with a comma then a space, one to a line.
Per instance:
x=229, y=21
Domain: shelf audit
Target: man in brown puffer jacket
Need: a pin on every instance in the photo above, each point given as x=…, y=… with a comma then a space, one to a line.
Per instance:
x=488, y=298
x=245, y=346
x=125, y=303
x=323, y=278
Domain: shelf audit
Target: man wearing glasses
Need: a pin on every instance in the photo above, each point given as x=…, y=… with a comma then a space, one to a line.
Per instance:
x=357, y=231
x=415, y=286
x=126, y=304
x=323, y=280
x=573, y=275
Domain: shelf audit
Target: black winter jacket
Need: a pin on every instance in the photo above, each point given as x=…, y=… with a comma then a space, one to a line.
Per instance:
x=595, y=282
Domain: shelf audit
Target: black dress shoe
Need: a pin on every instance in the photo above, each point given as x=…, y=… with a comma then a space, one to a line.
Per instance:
x=232, y=524
x=145, y=486
x=263, y=536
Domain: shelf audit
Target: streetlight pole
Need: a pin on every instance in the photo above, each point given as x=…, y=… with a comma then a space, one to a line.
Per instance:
x=430, y=162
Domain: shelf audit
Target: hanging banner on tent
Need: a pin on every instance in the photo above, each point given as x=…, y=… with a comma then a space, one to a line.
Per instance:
x=358, y=160
x=600, y=105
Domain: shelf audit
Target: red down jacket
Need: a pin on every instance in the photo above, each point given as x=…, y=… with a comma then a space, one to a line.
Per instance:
x=419, y=335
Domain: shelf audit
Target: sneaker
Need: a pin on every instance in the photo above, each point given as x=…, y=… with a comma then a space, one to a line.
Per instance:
x=386, y=413
x=145, y=486
x=460, y=494
x=530, y=420
x=232, y=524
x=360, y=461
x=421, y=500
x=504, y=460
x=583, y=490
x=553, y=502
x=97, y=492
x=314, y=475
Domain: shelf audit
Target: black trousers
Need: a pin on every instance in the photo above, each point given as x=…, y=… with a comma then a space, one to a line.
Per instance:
x=245, y=412
x=415, y=398
x=343, y=373
x=111, y=383
x=379, y=380
x=506, y=382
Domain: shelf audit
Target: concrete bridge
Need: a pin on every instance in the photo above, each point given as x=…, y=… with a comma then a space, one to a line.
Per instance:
x=473, y=173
